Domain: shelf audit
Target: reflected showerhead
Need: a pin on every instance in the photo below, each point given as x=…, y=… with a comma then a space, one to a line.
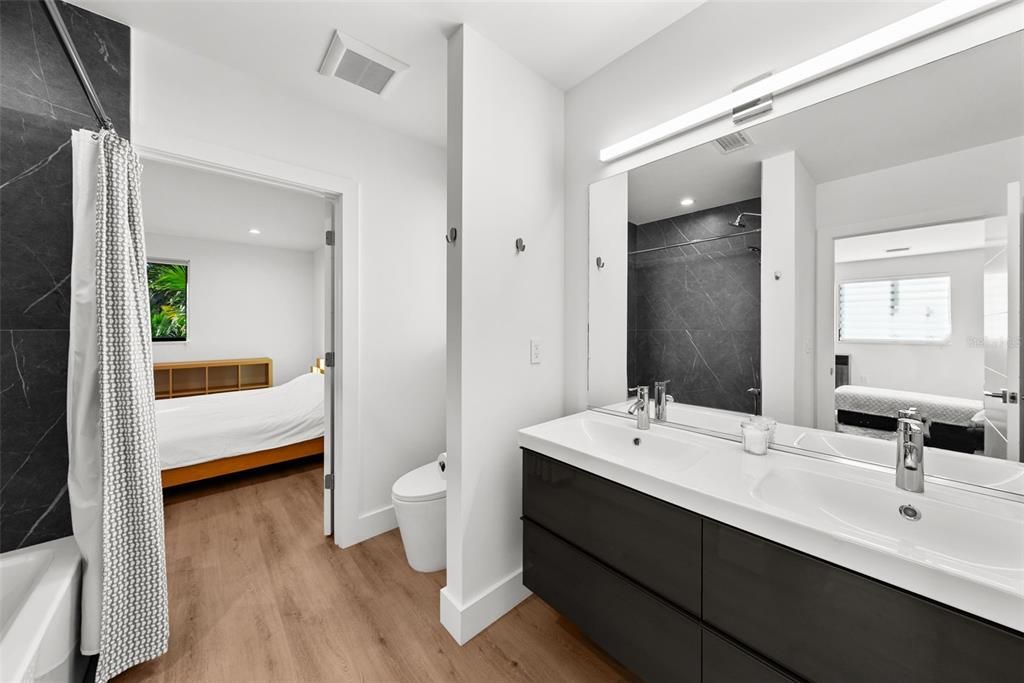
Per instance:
x=738, y=223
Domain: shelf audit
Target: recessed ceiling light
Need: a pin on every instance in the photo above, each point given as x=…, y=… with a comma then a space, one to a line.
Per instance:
x=687, y=201
x=254, y=231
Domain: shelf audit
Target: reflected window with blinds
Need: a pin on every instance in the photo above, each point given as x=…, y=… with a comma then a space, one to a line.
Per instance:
x=913, y=309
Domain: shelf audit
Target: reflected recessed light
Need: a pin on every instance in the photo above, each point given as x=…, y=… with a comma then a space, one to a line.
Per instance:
x=687, y=201
x=254, y=231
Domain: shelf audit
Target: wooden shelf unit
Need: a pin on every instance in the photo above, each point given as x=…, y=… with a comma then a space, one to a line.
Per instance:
x=196, y=378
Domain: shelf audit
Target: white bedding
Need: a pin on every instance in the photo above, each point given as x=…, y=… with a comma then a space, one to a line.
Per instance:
x=885, y=402
x=198, y=429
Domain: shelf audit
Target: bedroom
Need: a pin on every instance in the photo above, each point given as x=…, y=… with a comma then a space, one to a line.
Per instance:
x=237, y=271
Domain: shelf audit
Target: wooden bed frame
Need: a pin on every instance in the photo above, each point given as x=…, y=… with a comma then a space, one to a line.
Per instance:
x=241, y=463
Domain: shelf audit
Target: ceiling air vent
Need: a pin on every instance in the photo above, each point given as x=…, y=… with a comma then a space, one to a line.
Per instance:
x=360, y=64
x=733, y=141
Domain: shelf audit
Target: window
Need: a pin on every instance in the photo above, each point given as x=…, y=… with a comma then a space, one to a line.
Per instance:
x=168, y=300
x=914, y=309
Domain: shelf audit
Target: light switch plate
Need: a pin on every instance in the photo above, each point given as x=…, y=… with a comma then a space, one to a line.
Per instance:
x=535, y=350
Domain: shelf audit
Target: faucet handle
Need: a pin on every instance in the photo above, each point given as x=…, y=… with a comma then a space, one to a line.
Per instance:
x=908, y=414
x=662, y=384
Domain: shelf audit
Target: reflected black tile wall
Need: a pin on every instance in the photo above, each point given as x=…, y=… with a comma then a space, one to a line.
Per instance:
x=694, y=313
x=41, y=102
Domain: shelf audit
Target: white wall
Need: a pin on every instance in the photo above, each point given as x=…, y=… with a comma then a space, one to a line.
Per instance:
x=953, y=369
x=967, y=184
x=319, y=275
x=179, y=96
x=609, y=290
x=787, y=290
x=505, y=156
x=243, y=302
x=716, y=47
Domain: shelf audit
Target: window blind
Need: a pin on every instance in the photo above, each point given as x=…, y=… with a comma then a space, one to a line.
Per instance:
x=897, y=310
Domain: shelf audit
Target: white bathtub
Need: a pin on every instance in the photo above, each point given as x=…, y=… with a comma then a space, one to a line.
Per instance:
x=39, y=613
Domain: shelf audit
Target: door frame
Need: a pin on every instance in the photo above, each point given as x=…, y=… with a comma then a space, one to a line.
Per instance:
x=341, y=434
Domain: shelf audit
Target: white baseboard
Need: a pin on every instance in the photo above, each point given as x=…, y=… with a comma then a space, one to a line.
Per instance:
x=366, y=526
x=466, y=621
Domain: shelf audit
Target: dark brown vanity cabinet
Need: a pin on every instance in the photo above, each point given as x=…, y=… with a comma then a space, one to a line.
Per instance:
x=678, y=597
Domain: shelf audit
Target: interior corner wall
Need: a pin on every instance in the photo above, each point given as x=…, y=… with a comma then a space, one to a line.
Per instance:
x=787, y=290
x=244, y=301
x=180, y=96
x=505, y=182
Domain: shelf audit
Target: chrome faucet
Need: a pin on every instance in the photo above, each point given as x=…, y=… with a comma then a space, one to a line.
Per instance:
x=641, y=408
x=661, y=400
x=909, y=451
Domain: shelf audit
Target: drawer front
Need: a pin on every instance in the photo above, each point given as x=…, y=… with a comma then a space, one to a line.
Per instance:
x=652, y=542
x=825, y=624
x=642, y=632
x=723, y=662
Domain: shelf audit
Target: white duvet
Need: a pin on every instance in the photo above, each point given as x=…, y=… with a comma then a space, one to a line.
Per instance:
x=198, y=429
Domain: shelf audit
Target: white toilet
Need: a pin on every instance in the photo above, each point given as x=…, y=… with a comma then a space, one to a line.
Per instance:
x=419, y=498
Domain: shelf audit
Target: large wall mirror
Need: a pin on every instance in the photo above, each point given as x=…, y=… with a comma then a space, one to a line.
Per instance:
x=830, y=267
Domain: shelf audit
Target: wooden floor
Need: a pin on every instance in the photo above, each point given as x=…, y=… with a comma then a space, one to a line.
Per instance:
x=258, y=594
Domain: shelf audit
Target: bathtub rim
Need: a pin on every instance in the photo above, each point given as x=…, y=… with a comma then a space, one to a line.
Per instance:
x=28, y=626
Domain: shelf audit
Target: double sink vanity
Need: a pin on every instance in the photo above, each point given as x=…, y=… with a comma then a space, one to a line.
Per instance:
x=687, y=559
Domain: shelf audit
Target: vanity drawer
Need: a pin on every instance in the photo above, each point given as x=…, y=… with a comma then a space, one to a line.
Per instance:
x=825, y=623
x=645, y=634
x=653, y=542
x=723, y=662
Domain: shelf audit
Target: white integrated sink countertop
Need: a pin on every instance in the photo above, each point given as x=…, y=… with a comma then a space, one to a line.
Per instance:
x=966, y=550
x=980, y=471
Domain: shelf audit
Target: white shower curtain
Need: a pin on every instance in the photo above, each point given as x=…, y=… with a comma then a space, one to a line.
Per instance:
x=114, y=471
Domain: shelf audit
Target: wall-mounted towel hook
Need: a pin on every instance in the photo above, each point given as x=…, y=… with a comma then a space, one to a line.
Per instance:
x=600, y=263
x=452, y=235
x=520, y=245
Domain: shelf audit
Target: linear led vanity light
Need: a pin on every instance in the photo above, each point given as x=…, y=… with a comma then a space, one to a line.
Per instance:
x=922, y=23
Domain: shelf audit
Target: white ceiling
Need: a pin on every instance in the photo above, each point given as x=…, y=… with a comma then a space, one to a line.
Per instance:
x=933, y=239
x=188, y=202
x=283, y=42
x=963, y=101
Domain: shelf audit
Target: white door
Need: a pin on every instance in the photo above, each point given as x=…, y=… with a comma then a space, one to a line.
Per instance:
x=1002, y=299
x=329, y=372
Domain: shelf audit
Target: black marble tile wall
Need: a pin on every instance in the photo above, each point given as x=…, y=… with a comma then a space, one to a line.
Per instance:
x=694, y=313
x=41, y=102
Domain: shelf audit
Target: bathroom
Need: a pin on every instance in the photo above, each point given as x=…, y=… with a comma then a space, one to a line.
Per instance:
x=479, y=469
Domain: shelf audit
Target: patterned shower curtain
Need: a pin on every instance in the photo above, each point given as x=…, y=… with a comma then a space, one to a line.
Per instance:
x=133, y=615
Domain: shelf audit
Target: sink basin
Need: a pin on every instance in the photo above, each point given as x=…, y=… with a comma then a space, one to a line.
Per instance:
x=619, y=442
x=946, y=534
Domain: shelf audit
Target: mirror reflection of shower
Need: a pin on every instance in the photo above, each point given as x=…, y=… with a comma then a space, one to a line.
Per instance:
x=694, y=305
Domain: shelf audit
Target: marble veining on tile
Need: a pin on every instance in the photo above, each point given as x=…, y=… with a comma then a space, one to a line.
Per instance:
x=694, y=312
x=41, y=102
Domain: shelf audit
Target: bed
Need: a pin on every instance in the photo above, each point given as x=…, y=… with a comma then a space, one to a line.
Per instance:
x=952, y=421
x=211, y=435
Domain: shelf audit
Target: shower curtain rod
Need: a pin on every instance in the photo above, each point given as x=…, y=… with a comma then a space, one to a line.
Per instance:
x=76, y=62
x=691, y=242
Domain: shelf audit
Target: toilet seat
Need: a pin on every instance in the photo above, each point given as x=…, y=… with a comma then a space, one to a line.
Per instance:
x=420, y=485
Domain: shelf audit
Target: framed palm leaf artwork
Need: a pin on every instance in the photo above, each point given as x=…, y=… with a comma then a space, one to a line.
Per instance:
x=168, y=300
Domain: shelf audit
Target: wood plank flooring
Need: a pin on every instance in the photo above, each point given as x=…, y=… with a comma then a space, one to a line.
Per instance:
x=258, y=594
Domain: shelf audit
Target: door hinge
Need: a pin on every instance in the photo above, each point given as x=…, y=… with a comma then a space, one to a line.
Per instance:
x=329, y=482
x=329, y=359
x=329, y=237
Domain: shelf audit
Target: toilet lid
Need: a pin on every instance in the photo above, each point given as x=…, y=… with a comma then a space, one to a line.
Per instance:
x=422, y=484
